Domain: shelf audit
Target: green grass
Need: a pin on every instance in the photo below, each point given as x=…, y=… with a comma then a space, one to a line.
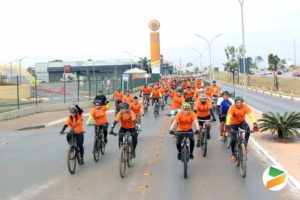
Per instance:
x=3, y=111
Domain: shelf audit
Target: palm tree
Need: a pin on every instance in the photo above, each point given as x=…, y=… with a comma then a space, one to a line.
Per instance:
x=285, y=125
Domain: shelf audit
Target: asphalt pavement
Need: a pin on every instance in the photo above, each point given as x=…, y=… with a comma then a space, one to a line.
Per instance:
x=33, y=166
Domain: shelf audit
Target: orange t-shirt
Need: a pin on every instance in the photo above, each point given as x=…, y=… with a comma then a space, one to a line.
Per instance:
x=126, y=119
x=185, y=122
x=238, y=115
x=188, y=93
x=203, y=109
x=77, y=125
x=177, y=102
x=128, y=99
x=99, y=116
x=184, y=85
x=173, y=94
x=146, y=90
x=156, y=93
x=163, y=91
x=198, y=84
x=215, y=90
x=136, y=108
x=118, y=95
x=209, y=93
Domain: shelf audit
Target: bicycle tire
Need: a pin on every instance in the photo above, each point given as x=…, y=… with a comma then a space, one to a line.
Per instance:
x=71, y=160
x=122, y=163
x=184, y=159
x=129, y=154
x=96, y=149
x=204, y=143
x=243, y=160
x=102, y=145
x=227, y=140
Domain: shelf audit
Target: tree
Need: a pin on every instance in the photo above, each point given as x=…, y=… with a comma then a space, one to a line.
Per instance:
x=144, y=63
x=232, y=64
x=197, y=70
x=257, y=60
x=285, y=125
x=274, y=61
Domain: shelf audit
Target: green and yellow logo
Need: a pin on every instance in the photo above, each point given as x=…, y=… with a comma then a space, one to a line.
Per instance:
x=275, y=178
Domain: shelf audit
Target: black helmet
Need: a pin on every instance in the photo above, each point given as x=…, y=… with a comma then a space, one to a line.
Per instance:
x=225, y=93
x=125, y=106
x=98, y=102
x=73, y=110
x=135, y=97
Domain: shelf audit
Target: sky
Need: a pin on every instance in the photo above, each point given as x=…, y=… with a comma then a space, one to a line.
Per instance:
x=44, y=30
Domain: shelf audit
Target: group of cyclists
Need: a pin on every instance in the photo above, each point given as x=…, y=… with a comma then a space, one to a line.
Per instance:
x=192, y=101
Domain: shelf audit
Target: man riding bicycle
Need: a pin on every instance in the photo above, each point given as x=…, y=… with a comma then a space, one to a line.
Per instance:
x=75, y=122
x=127, y=120
x=118, y=95
x=188, y=94
x=155, y=95
x=128, y=98
x=146, y=90
x=100, y=97
x=236, y=119
x=98, y=114
x=223, y=106
x=203, y=109
x=176, y=105
x=185, y=119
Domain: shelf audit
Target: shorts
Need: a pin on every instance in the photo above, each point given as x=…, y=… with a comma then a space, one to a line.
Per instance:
x=203, y=118
x=222, y=118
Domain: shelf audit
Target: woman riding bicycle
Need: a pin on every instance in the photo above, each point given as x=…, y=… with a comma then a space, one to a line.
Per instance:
x=98, y=114
x=185, y=119
x=75, y=122
x=128, y=122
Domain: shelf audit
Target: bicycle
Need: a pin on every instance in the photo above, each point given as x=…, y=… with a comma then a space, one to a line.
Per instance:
x=118, y=106
x=125, y=157
x=185, y=150
x=145, y=104
x=163, y=103
x=156, y=108
x=240, y=149
x=73, y=154
x=203, y=141
x=99, y=144
x=226, y=138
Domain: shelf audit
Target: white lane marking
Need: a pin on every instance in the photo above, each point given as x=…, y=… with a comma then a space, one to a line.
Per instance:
x=64, y=119
x=34, y=190
x=291, y=180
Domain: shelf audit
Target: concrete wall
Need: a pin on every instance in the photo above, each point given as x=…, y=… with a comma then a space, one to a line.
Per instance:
x=10, y=92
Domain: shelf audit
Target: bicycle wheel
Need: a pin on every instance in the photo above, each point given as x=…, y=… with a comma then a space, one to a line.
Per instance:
x=243, y=160
x=96, y=149
x=227, y=140
x=155, y=111
x=184, y=159
x=71, y=159
x=204, y=143
x=122, y=162
x=129, y=154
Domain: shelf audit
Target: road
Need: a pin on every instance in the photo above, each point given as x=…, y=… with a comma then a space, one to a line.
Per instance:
x=265, y=102
x=33, y=166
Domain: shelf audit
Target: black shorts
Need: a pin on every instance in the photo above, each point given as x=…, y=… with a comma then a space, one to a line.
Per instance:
x=203, y=118
x=222, y=118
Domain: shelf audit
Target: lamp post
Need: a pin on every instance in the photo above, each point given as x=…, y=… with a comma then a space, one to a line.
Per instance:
x=209, y=44
x=200, y=56
x=130, y=54
x=244, y=49
x=20, y=71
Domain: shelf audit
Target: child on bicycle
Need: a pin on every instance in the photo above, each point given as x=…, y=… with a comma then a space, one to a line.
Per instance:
x=75, y=122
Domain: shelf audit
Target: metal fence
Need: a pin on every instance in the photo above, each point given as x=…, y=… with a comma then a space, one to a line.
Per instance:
x=16, y=94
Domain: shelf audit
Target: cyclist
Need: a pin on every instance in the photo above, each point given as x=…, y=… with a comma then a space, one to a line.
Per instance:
x=223, y=106
x=163, y=90
x=236, y=119
x=75, y=122
x=138, y=110
x=101, y=97
x=127, y=120
x=146, y=90
x=215, y=89
x=198, y=83
x=128, y=98
x=203, y=109
x=98, y=114
x=188, y=94
x=184, y=84
x=185, y=119
x=208, y=91
x=176, y=105
x=155, y=95
x=118, y=95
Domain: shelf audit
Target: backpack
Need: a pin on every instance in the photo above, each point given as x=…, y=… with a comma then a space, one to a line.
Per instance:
x=225, y=106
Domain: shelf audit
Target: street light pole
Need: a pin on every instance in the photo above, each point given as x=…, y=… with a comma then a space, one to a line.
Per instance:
x=209, y=44
x=130, y=54
x=200, y=55
x=20, y=61
x=244, y=49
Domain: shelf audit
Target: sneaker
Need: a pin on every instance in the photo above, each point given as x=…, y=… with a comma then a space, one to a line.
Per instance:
x=233, y=158
x=191, y=156
x=133, y=154
x=179, y=156
x=105, y=140
x=208, y=136
x=198, y=144
x=81, y=161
